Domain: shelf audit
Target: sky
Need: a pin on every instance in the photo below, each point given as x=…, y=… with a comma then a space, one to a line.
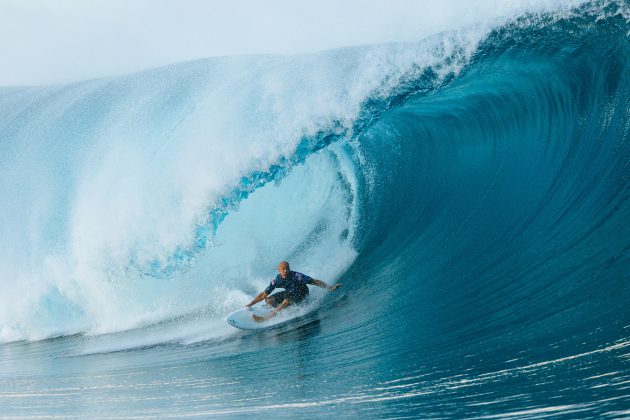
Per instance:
x=60, y=41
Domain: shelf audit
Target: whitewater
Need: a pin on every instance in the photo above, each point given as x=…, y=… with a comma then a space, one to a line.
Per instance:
x=471, y=190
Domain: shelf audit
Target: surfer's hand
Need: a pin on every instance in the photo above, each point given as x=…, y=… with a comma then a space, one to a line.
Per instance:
x=258, y=318
x=249, y=307
x=335, y=286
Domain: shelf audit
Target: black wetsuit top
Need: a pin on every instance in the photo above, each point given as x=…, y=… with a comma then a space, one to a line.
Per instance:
x=295, y=285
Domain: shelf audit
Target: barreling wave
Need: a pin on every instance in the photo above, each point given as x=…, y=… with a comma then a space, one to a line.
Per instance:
x=492, y=161
x=472, y=190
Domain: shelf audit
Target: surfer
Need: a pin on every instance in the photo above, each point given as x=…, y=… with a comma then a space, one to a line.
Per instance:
x=295, y=290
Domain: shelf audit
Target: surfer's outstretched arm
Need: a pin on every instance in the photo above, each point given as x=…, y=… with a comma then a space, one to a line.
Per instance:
x=257, y=299
x=273, y=313
x=324, y=285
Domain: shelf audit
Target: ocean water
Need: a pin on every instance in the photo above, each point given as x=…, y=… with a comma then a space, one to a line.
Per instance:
x=471, y=191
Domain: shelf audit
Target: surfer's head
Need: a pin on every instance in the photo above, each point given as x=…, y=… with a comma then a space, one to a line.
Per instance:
x=283, y=269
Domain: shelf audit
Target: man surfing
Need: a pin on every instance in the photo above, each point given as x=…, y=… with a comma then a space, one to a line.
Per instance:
x=295, y=290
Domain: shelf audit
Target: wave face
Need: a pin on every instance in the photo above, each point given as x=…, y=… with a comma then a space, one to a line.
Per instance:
x=472, y=191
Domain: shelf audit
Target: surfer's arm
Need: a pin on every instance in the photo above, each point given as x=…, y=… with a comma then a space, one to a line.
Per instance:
x=257, y=299
x=323, y=285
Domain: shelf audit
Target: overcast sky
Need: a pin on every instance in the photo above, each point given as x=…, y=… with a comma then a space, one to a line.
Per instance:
x=52, y=41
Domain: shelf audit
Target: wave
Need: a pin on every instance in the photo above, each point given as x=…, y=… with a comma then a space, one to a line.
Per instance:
x=480, y=175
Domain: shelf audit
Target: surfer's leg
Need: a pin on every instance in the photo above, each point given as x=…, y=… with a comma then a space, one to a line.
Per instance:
x=295, y=299
x=271, y=301
x=275, y=300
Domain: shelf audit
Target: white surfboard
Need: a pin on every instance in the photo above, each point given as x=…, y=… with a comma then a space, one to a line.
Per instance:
x=244, y=318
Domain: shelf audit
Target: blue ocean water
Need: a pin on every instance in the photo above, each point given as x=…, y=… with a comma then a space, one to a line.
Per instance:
x=471, y=191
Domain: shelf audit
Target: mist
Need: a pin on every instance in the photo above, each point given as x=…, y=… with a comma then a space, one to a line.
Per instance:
x=49, y=42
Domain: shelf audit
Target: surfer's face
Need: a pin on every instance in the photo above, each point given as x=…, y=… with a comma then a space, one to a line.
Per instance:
x=283, y=269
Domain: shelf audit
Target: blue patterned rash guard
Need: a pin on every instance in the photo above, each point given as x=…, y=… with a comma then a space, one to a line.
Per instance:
x=295, y=284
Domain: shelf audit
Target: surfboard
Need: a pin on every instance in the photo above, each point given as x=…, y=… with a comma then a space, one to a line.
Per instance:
x=244, y=318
